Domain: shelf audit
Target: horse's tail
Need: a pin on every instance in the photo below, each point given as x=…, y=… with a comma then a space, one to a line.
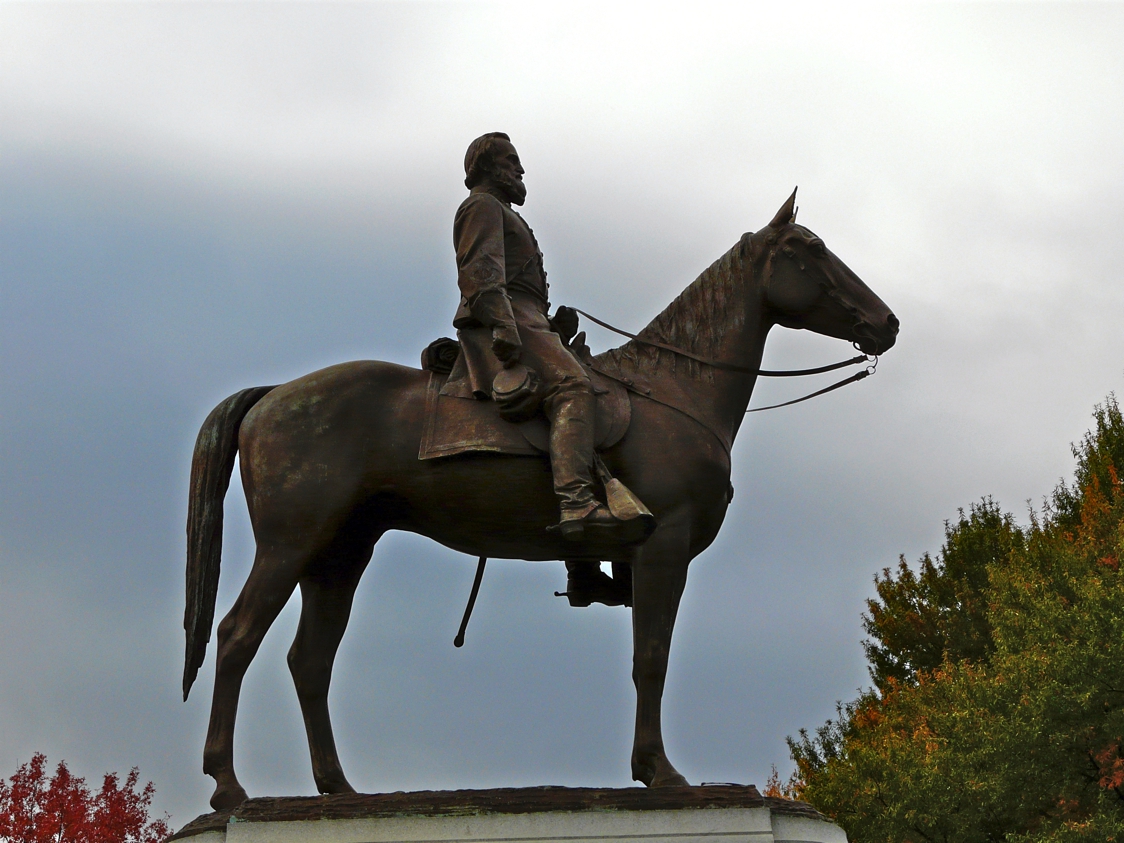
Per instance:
x=211, y=466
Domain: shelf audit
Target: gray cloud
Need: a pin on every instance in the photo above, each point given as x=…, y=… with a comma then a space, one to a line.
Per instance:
x=194, y=199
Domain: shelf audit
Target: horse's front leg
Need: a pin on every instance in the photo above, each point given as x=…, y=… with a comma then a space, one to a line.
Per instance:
x=659, y=573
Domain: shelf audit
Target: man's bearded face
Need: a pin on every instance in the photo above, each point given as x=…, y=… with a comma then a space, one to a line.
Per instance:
x=507, y=173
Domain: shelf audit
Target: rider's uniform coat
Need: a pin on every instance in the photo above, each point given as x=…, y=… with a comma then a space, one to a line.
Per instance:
x=502, y=281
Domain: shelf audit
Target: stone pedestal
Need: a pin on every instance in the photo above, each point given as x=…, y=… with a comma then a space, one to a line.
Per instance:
x=711, y=814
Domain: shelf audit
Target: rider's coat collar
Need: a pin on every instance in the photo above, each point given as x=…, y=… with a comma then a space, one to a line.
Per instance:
x=492, y=190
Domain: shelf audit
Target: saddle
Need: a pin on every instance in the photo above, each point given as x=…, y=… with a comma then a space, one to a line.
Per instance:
x=457, y=423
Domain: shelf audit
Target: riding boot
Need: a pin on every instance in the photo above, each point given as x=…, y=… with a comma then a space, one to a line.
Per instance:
x=586, y=583
x=571, y=451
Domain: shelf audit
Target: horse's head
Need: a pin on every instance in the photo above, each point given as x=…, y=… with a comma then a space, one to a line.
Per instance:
x=806, y=286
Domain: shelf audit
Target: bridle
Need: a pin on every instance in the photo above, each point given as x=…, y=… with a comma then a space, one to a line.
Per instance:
x=773, y=241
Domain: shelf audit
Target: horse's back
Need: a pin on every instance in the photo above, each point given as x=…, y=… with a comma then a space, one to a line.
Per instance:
x=327, y=434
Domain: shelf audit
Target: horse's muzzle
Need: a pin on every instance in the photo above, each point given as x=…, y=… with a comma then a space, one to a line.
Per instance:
x=878, y=339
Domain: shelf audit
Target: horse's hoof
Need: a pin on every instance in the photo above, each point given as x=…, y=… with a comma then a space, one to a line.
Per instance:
x=658, y=774
x=672, y=779
x=334, y=784
x=227, y=798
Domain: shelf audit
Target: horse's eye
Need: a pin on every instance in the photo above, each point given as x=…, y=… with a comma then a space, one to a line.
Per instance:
x=818, y=249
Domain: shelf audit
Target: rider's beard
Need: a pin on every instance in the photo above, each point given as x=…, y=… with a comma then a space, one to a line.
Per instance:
x=514, y=188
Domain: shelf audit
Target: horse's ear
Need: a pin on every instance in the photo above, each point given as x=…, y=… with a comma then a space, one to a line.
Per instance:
x=786, y=214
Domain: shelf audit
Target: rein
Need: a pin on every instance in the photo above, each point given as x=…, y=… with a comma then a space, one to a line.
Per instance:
x=858, y=376
x=871, y=360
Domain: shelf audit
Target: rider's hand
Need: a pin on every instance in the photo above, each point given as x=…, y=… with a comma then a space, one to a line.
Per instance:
x=565, y=323
x=506, y=344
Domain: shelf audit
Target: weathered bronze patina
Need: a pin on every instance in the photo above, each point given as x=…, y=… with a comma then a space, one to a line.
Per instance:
x=329, y=462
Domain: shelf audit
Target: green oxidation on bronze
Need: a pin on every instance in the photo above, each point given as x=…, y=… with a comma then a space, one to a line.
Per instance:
x=330, y=461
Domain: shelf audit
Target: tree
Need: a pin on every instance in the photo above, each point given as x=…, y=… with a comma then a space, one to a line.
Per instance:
x=998, y=711
x=940, y=613
x=62, y=809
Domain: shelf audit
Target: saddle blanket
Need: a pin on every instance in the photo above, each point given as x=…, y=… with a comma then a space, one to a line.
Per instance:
x=455, y=425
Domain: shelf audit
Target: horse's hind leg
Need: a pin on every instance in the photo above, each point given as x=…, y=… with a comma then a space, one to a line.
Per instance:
x=326, y=597
x=270, y=584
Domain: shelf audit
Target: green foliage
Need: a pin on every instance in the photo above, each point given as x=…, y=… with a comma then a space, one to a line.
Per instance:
x=999, y=708
x=1100, y=460
x=940, y=613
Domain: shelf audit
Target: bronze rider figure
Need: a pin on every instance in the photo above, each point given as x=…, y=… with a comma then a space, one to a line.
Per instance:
x=502, y=322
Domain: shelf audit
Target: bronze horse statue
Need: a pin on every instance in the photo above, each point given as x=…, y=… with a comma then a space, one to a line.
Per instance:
x=329, y=462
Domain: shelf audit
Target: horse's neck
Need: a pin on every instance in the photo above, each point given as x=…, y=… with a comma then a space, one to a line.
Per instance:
x=721, y=317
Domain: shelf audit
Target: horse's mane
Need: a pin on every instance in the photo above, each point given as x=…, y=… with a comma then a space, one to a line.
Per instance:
x=696, y=321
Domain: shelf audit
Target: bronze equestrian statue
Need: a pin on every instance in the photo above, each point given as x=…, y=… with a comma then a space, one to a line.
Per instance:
x=330, y=461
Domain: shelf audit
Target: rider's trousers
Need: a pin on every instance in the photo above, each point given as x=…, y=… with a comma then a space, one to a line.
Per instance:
x=570, y=412
x=568, y=404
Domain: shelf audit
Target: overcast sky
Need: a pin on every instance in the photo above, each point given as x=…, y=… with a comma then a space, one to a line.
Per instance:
x=199, y=198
